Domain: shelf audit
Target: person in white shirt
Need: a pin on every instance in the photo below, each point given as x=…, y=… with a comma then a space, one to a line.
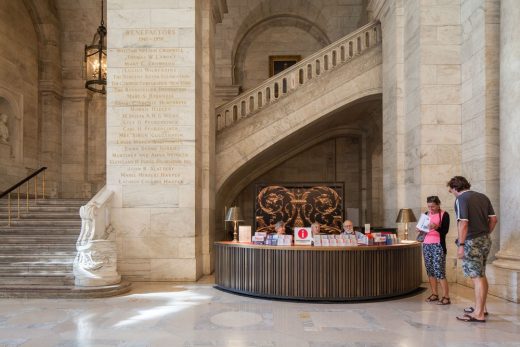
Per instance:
x=348, y=229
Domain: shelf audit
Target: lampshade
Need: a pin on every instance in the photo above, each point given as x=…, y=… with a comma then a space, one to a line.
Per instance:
x=233, y=214
x=405, y=216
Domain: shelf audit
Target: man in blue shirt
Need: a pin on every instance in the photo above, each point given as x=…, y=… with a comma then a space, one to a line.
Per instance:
x=476, y=219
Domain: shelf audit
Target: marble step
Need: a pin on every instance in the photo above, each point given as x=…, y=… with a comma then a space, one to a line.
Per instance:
x=48, y=279
x=46, y=202
x=40, y=249
x=27, y=262
x=62, y=258
x=35, y=269
x=48, y=208
x=22, y=231
x=70, y=292
x=38, y=239
x=42, y=222
x=41, y=215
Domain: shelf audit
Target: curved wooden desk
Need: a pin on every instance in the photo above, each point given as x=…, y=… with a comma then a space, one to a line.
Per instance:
x=318, y=273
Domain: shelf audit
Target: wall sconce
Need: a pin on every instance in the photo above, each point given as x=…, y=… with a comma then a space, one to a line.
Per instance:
x=406, y=216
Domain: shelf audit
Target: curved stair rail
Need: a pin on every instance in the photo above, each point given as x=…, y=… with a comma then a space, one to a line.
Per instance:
x=17, y=186
x=292, y=78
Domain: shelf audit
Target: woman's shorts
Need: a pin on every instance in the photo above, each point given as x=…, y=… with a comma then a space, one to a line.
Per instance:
x=435, y=260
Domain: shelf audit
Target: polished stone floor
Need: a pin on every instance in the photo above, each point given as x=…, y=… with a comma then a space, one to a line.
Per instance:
x=197, y=315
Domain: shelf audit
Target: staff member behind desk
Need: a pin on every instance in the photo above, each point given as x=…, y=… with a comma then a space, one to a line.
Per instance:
x=279, y=228
x=315, y=228
x=348, y=229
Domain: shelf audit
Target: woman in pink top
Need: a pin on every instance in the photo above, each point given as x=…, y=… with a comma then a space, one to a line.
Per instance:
x=434, y=250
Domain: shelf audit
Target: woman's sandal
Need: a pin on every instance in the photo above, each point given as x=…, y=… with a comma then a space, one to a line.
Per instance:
x=471, y=310
x=444, y=301
x=433, y=297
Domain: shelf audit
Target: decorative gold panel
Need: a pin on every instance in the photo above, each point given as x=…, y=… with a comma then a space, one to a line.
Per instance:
x=299, y=206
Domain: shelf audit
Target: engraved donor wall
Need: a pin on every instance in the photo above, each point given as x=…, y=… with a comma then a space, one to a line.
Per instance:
x=151, y=137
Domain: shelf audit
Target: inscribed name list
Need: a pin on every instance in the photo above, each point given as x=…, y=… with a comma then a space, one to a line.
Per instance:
x=151, y=135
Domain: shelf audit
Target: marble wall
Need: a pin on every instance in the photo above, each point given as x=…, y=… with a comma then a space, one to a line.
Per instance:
x=56, y=122
x=390, y=13
x=84, y=112
x=18, y=93
x=421, y=105
x=480, y=35
x=154, y=132
x=505, y=272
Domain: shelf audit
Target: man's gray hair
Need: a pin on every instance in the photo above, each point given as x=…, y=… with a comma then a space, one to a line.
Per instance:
x=278, y=224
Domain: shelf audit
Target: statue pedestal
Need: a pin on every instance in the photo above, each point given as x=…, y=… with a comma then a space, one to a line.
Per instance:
x=96, y=264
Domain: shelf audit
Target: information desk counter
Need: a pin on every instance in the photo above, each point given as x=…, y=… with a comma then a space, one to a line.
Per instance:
x=318, y=273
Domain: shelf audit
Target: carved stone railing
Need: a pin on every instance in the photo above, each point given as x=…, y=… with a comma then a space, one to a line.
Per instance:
x=296, y=76
x=96, y=261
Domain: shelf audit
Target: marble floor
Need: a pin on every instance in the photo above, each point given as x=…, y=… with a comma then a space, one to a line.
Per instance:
x=198, y=315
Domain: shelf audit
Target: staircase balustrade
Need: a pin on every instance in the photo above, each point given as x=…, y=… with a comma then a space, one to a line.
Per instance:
x=296, y=76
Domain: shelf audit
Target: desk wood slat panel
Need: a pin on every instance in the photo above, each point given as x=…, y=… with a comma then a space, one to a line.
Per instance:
x=318, y=273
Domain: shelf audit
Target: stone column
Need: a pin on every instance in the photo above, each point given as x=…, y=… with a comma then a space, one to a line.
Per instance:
x=505, y=279
x=154, y=131
x=51, y=136
x=390, y=13
x=75, y=143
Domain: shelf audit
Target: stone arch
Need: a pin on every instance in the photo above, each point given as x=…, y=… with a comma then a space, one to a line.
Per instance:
x=300, y=12
x=44, y=17
x=281, y=20
x=266, y=161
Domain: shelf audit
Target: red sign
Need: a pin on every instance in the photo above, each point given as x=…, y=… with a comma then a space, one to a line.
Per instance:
x=303, y=233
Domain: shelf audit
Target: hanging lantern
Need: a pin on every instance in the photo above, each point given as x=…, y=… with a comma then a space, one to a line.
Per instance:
x=96, y=60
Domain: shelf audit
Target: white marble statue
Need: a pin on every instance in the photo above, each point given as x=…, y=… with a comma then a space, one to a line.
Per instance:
x=4, y=130
x=96, y=260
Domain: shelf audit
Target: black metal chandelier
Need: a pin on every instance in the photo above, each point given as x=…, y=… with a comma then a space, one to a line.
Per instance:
x=96, y=60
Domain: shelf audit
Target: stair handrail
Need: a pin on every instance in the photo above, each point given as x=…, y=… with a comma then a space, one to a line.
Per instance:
x=17, y=188
x=272, y=89
x=21, y=182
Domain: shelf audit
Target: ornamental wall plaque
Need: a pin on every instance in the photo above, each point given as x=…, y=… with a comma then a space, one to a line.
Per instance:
x=299, y=205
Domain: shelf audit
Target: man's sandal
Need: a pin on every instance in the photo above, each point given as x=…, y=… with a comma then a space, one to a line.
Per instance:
x=471, y=310
x=444, y=301
x=467, y=318
x=433, y=297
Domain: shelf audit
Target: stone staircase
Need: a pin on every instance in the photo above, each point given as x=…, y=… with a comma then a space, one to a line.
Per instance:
x=37, y=251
